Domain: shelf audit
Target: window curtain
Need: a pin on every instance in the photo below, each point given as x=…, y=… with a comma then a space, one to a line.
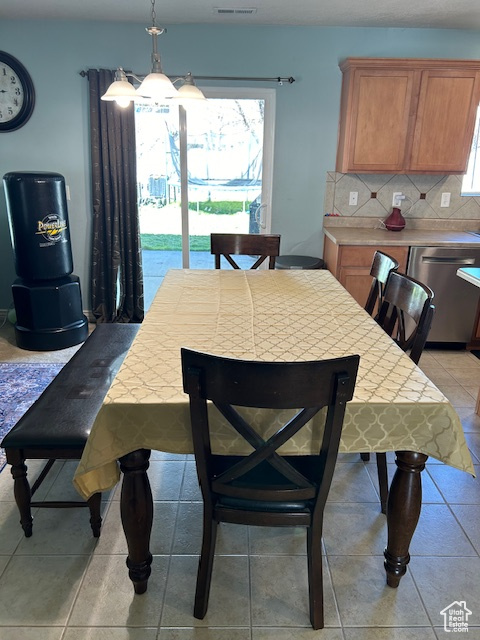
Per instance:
x=116, y=268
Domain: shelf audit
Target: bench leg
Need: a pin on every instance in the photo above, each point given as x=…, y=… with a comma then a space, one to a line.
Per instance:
x=94, y=504
x=21, y=490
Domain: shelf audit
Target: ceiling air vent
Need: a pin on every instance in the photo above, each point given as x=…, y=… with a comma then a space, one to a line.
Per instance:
x=247, y=11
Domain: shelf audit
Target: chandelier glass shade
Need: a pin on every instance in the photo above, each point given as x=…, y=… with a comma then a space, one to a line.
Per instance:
x=120, y=91
x=189, y=92
x=156, y=87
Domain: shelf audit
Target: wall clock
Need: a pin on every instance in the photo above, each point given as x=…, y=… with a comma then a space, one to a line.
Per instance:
x=17, y=95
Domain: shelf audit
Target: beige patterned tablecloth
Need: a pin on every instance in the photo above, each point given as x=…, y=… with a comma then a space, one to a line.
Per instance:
x=264, y=315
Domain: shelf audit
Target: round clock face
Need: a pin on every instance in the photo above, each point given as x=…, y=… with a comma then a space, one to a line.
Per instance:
x=17, y=95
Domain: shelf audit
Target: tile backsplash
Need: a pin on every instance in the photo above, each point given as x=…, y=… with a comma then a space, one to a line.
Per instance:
x=423, y=194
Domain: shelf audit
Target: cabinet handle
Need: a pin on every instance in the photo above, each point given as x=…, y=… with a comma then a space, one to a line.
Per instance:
x=447, y=260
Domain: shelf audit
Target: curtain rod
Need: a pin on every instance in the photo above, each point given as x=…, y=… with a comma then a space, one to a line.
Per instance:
x=278, y=79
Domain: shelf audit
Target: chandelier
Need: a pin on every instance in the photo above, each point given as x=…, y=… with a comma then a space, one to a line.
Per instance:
x=156, y=87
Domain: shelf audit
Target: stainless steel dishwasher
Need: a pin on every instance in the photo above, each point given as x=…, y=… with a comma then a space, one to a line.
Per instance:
x=455, y=300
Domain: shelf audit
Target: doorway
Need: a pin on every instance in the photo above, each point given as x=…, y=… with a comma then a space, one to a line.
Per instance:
x=229, y=163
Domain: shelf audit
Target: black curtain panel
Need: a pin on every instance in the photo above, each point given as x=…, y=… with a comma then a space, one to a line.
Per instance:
x=116, y=269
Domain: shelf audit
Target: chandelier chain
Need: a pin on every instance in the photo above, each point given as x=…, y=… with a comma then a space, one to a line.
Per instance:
x=154, y=15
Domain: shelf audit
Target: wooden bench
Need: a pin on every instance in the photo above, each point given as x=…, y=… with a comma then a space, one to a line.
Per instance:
x=57, y=425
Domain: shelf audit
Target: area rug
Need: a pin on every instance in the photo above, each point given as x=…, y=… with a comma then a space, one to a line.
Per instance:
x=20, y=385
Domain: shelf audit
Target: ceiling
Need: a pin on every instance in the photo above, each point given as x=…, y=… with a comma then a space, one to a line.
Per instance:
x=448, y=14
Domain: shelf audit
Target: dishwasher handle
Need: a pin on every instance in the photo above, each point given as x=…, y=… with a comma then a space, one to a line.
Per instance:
x=448, y=260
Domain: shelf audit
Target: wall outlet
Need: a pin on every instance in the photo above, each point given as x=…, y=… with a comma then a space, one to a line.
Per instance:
x=353, y=198
x=397, y=198
x=445, y=201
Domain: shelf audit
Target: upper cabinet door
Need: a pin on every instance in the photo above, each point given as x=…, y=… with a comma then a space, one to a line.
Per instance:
x=445, y=120
x=407, y=115
x=376, y=121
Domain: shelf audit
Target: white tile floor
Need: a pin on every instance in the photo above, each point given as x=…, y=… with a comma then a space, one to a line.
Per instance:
x=61, y=584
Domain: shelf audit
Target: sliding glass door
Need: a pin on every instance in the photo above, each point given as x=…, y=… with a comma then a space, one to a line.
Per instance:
x=204, y=169
x=229, y=164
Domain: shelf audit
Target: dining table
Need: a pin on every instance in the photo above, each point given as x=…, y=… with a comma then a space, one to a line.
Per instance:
x=267, y=315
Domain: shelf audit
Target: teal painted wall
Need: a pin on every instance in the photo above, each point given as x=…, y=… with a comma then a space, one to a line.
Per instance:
x=56, y=137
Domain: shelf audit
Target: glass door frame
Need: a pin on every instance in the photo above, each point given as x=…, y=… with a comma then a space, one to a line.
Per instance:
x=269, y=96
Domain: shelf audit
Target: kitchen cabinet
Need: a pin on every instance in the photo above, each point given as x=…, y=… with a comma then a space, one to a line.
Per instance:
x=407, y=115
x=351, y=264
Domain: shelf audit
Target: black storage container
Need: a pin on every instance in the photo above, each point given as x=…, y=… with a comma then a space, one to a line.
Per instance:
x=47, y=296
x=38, y=217
x=49, y=314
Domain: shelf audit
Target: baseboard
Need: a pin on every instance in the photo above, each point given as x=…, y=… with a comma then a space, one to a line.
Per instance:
x=452, y=346
x=87, y=312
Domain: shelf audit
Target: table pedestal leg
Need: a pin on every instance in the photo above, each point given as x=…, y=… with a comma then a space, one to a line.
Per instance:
x=403, y=511
x=136, y=509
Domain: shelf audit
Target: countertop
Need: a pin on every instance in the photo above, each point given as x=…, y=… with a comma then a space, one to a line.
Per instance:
x=407, y=237
x=470, y=274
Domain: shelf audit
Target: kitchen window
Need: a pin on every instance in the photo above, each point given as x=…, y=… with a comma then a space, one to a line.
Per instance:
x=471, y=180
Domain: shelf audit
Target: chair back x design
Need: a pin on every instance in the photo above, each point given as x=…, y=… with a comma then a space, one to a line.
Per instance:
x=381, y=266
x=262, y=245
x=264, y=487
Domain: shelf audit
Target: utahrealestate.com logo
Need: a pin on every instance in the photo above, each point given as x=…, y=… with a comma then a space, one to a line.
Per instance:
x=455, y=617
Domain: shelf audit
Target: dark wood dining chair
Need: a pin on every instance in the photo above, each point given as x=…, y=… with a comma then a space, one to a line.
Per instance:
x=246, y=244
x=382, y=264
x=406, y=314
x=266, y=488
